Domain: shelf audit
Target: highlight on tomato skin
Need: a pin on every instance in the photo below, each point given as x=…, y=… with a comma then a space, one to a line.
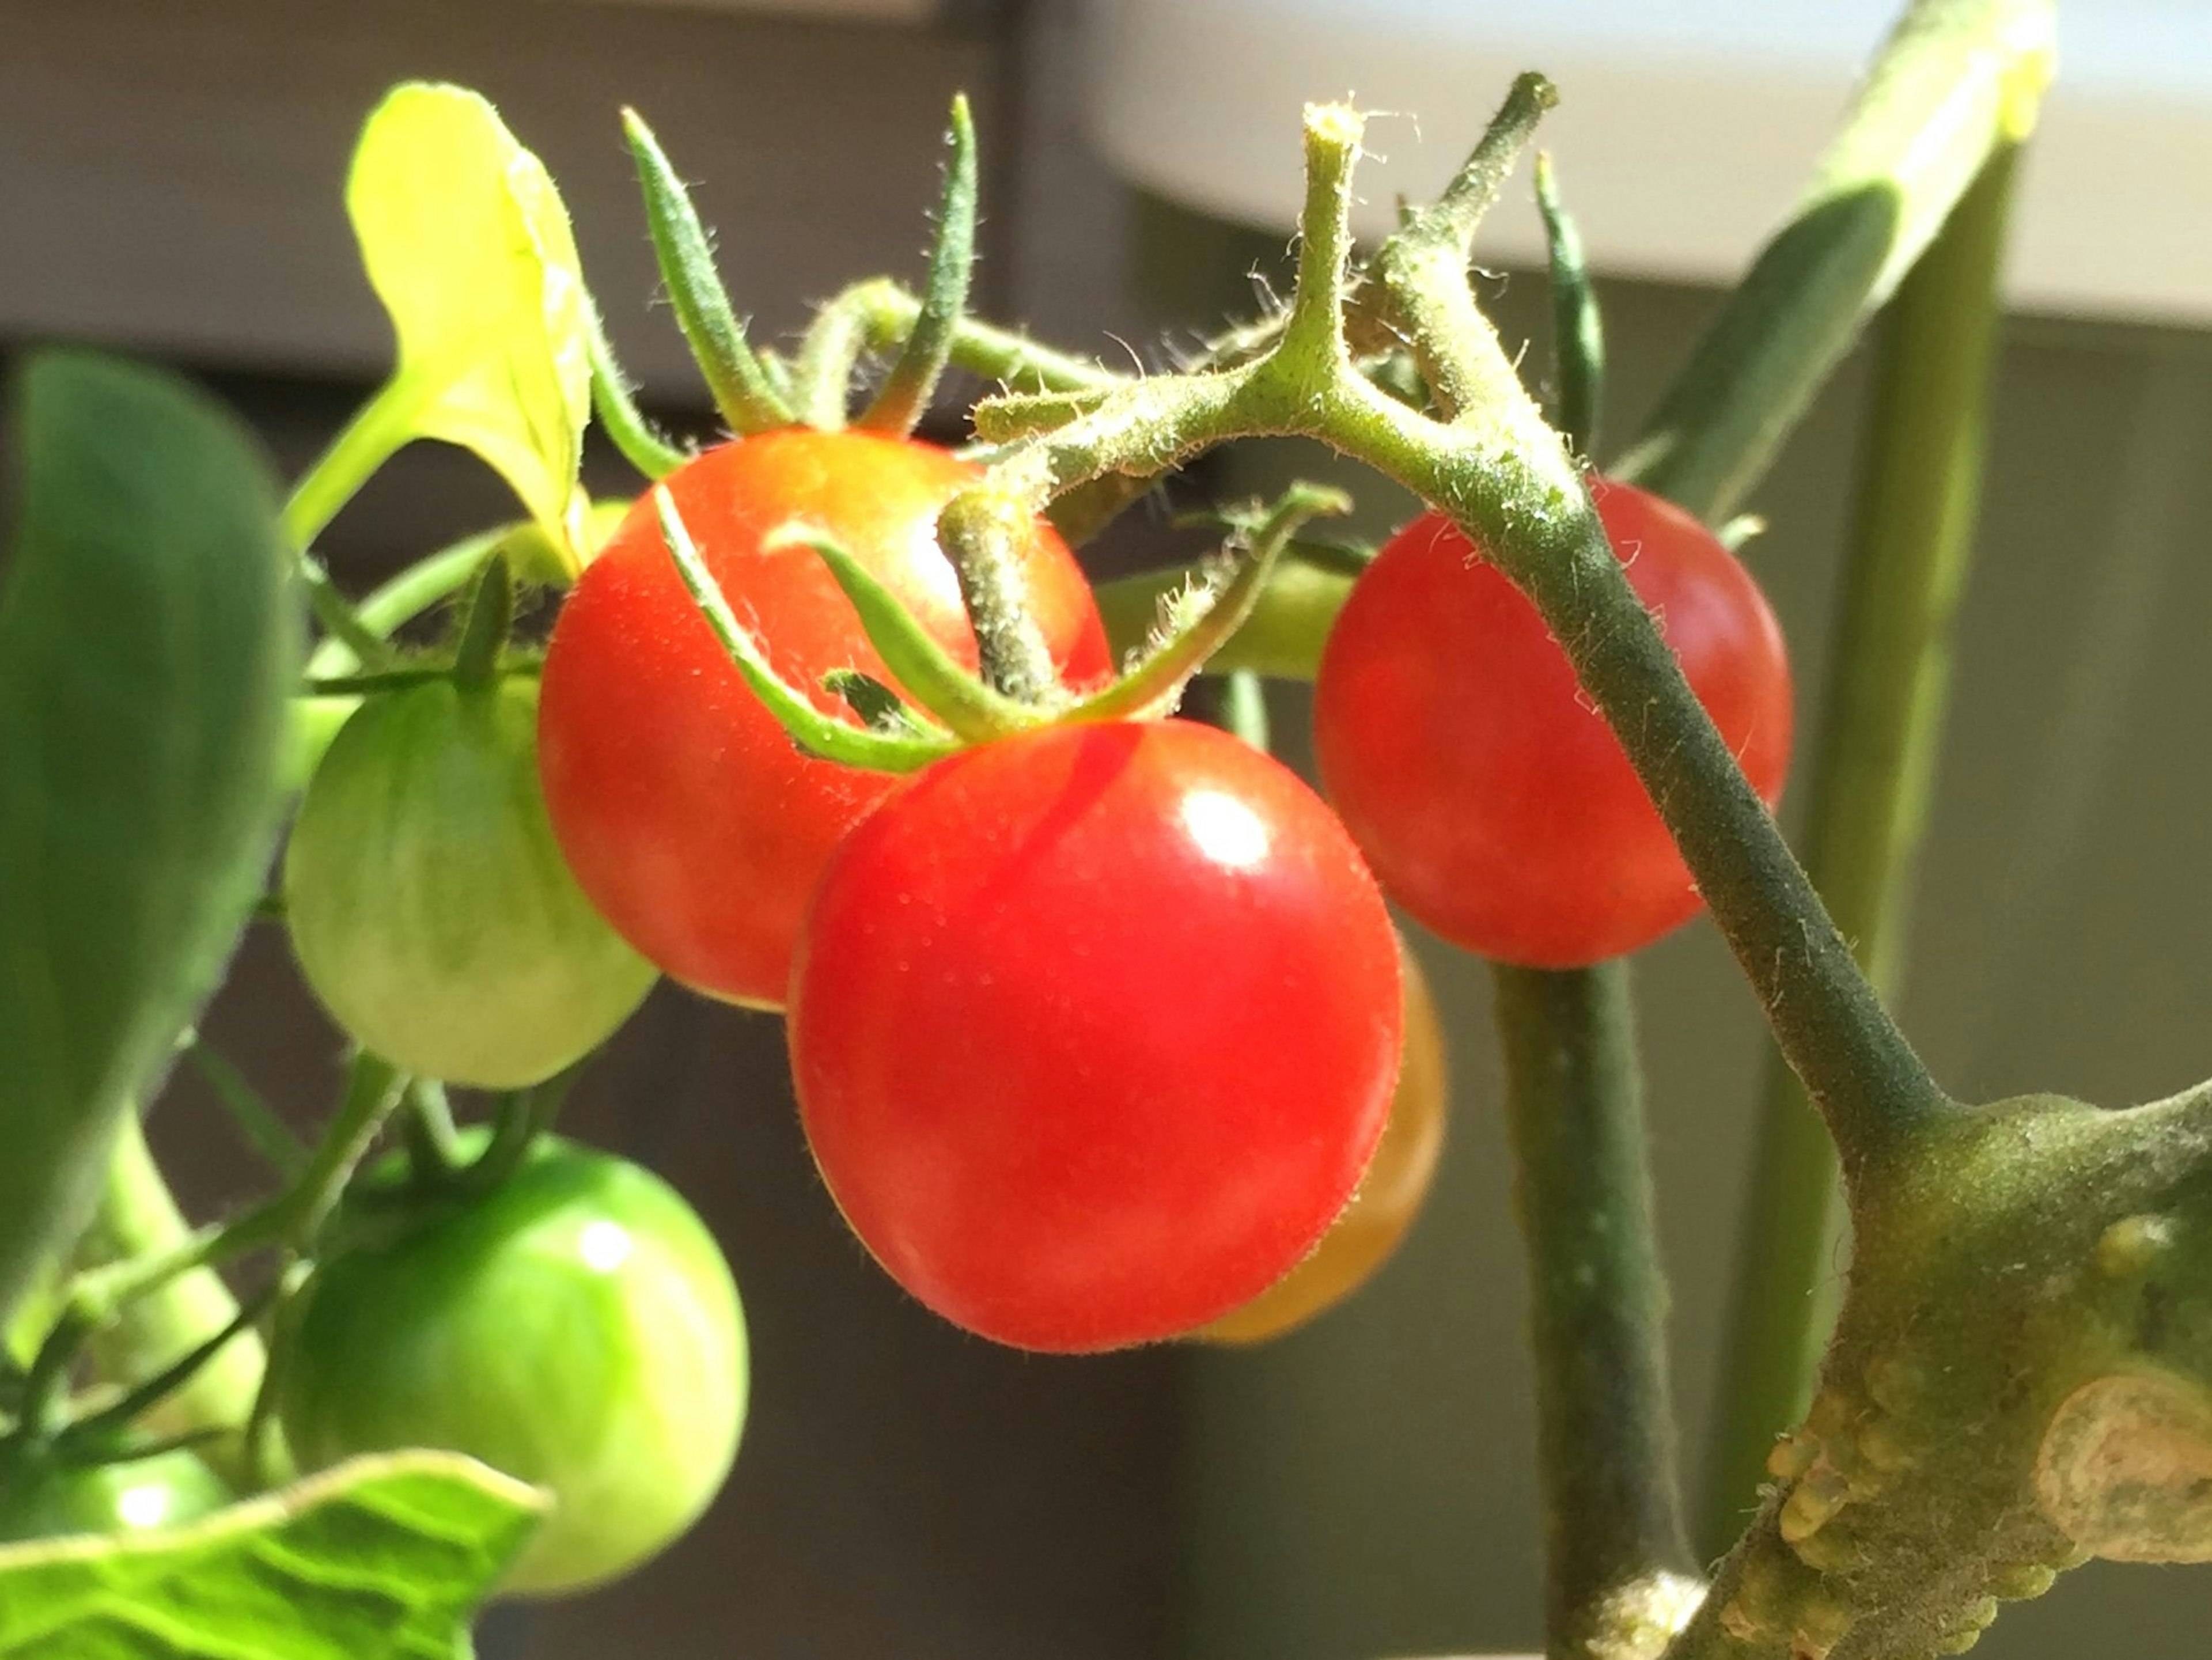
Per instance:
x=1094, y=1030
x=1390, y=1195
x=1489, y=796
x=576, y=1327
x=683, y=807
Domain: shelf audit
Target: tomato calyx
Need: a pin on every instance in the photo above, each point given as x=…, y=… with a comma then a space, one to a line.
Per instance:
x=958, y=708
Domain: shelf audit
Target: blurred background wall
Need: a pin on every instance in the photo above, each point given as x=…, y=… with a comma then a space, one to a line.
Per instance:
x=169, y=181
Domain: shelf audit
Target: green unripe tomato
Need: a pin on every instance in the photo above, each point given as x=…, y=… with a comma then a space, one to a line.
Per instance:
x=47, y=1501
x=575, y=1328
x=430, y=905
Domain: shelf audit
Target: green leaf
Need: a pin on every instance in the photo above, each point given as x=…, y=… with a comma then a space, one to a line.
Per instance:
x=148, y=636
x=465, y=241
x=379, y=1559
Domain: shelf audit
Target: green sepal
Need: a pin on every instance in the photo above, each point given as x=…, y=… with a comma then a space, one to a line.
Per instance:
x=903, y=397
x=741, y=388
x=1201, y=619
x=968, y=708
x=810, y=728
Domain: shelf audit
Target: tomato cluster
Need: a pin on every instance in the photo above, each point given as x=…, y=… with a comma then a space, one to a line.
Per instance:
x=692, y=820
x=1100, y=1029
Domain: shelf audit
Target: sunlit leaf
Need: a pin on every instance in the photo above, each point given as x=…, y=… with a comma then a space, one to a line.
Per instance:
x=379, y=1559
x=465, y=241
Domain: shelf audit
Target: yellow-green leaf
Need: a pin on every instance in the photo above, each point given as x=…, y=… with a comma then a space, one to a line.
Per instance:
x=465, y=241
x=383, y=1558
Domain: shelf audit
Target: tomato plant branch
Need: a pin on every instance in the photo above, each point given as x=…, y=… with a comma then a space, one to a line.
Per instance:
x=1618, y=1584
x=291, y=1219
x=1508, y=480
x=1423, y=267
x=1956, y=80
x=136, y=1219
x=878, y=314
x=1868, y=796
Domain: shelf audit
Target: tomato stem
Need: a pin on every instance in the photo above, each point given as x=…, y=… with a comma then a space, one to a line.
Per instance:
x=978, y=531
x=642, y=446
x=1867, y=800
x=136, y=1219
x=740, y=387
x=878, y=313
x=486, y=621
x=254, y=1118
x=1615, y=1557
x=904, y=398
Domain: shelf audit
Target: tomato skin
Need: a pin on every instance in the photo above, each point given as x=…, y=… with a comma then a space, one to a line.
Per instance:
x=575, y=1328
x=1390, y=1196
x=165, y=1491
x=688, y=815
x=1094, y=1030
x=428, y=905
x=1491, y=798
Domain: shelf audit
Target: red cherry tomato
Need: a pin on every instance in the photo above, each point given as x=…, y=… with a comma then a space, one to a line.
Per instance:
x=1390, y=1194
x=1094, y=1030
x=1491, y=798
x=687, y=814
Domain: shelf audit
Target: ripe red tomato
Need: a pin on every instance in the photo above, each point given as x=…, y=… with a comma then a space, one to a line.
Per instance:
x=1094, y=1030
x=1491, y=798
x=685, y=811
x=1390, y=1194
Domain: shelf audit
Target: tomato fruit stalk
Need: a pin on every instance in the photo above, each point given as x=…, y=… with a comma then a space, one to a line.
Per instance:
x=1094, y=1030
x=575, y=1328
x=1491, y=798
x=685, y=811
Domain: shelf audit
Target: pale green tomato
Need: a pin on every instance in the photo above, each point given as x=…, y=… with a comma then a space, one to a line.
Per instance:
x=430, y=905
x=575, y=1328
x=164, y=1491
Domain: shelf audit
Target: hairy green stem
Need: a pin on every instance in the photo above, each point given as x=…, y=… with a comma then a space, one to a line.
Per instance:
x=878, y=314
x=1616, y=1565
x=137, y=1219
x=1508, y=480
x=1872, y=774
x=623, y=423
